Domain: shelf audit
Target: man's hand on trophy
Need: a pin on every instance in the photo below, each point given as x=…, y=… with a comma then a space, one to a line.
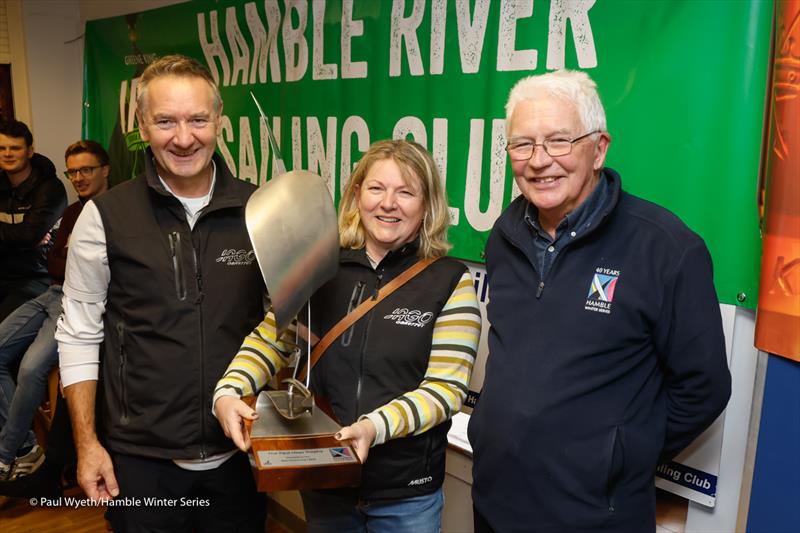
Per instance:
x=361, y=435
x=231, y=412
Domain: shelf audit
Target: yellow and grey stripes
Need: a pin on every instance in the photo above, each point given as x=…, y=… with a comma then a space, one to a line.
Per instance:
x=442, y=392
x=260, y=357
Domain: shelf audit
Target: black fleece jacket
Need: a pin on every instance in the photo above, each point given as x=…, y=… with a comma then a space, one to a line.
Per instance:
x=27, y=213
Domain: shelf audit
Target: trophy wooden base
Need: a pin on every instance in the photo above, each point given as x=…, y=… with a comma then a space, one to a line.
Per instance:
x=304, y=463
x=299, y=454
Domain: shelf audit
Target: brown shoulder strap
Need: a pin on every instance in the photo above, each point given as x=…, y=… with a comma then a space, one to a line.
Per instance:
x=363, y=309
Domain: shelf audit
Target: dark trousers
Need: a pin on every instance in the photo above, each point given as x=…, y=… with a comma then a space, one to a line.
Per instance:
x=220, y=500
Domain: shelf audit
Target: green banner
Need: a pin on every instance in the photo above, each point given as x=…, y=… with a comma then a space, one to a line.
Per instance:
x=683, y=83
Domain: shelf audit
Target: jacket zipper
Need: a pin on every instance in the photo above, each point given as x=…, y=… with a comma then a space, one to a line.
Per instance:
x=540, y=287
x=198, y=276
x=122, y=376
x=364, y=347
x=199, y=280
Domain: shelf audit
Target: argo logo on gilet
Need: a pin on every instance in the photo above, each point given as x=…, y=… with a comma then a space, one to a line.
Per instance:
x=233, y=257
x=409, y=317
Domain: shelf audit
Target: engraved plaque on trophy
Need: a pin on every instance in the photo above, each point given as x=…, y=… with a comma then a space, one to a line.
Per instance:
x=300, y=452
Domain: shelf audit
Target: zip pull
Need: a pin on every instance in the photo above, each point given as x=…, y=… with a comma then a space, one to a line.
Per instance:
x=198, y=276
x=540, y=290
x=378, y=286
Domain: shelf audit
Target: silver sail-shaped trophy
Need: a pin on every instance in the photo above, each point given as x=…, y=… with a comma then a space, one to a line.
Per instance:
x=292, y=225
x=291, y=220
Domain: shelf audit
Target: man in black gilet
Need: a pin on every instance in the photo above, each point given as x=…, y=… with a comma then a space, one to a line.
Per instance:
x=147, y=277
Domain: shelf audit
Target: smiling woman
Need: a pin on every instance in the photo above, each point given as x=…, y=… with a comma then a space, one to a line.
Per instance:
x=398, y=374
x=391, y=208
x=394, y=196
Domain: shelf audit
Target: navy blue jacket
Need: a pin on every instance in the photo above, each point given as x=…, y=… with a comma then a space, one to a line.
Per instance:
x=611, y=363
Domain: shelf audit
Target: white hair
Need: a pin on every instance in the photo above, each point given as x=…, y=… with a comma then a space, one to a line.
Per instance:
x=570, y=85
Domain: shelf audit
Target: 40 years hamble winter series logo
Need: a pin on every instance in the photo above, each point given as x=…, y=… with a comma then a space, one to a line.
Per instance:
x=601, y=290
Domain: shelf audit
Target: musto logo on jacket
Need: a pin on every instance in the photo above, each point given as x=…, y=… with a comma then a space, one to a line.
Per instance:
x=234, y=257
x=601, y=290
x=406, y=317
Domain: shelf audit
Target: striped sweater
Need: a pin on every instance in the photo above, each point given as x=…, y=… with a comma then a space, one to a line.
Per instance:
x=441, y=393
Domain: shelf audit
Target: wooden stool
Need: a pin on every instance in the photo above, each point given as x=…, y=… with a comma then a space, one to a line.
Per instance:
x=46, y=411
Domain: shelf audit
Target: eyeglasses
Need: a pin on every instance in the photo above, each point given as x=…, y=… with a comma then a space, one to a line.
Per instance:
x=85, y=172
x=522, y=150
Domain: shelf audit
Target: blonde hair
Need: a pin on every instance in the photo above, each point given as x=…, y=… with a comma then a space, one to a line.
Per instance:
x=175, y=65
x=414, y=161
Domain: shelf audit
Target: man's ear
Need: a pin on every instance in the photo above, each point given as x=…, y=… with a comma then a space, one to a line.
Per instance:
x=142, y=128
x=219, y=120
x=600, y=150
x=30, y=151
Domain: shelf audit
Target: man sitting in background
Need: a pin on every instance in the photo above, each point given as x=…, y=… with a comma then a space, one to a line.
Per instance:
x=32, y=199
x=27, y=336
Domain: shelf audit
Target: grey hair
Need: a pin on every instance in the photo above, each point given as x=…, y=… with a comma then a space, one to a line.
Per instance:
x=175, y=65
x=570, y=85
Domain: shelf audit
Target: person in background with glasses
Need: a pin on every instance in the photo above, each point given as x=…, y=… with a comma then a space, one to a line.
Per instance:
x=606, y=350
x=27, y=336
x=32, y=199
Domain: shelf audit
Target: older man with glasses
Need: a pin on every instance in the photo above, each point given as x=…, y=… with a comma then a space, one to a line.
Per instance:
x=606, y=351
